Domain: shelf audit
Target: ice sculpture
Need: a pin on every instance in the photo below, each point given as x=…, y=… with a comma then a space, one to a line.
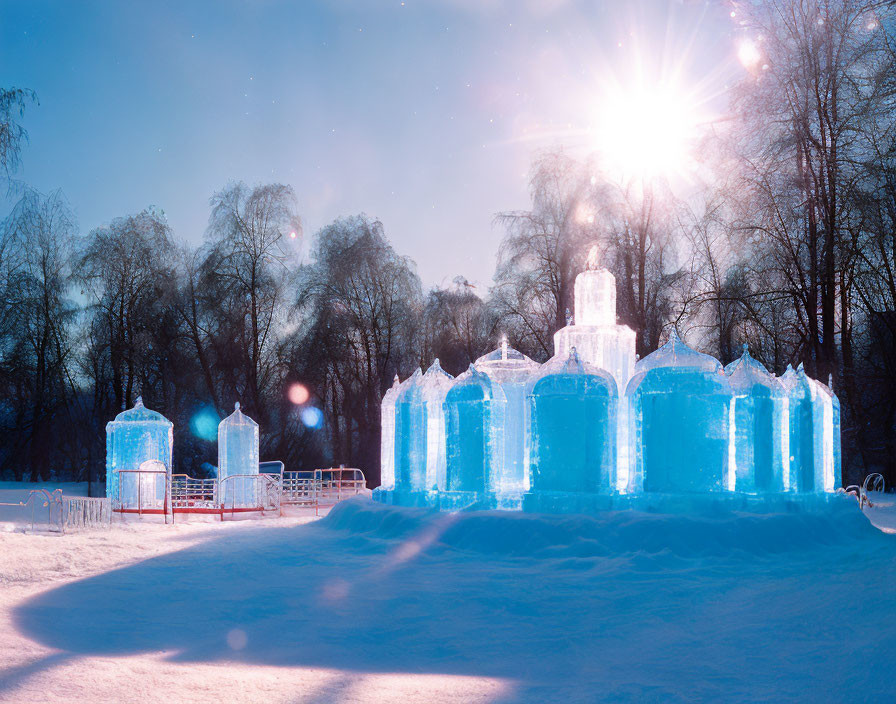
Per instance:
x=518, y=436
x=600, y=342
x=758, y=428
x=238, y=460
x=509, y=370
x=136, y=436
x=572, y=427
x=680, y=405
x=474, y=429
x=387, y=443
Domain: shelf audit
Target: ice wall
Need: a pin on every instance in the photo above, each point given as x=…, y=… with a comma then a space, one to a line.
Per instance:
x=474, y=424
x=387, y=436
x=571, y=430
x=680, y=414
x=758, y=429
x=804, y=450
x=134, y=437
x=238, y=460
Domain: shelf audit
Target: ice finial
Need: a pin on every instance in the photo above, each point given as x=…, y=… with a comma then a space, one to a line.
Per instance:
x=138, y=402
x=592, y=261
x=800, y=369
x=745, y=349
x=503, y=346
x=831, y=382
x=396, y=381
x=236, y=406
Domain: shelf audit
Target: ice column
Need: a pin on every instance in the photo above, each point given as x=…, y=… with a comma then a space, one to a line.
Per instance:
x=434, y=386
x=387, y=443
x=410, y=436
x=510, y=371
x=759, y=426
x=238, y=460
x=134, y=437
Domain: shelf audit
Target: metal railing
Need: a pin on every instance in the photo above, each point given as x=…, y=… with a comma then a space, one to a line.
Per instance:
x=336, y=484
x=188, y=492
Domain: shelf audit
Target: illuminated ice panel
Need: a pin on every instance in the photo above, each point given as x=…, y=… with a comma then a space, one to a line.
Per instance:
x=434, y=387
x=571, y=427
x=410, y=436
x=474, y=427
x=680, y=414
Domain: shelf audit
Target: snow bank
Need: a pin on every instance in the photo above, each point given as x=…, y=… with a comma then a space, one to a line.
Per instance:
x=710, y=532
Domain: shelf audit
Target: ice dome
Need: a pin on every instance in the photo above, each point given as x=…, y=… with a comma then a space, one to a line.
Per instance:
x=758, y=430
x=511, y=370
x=474, y=423
x=572, y=414
x=680, y=403
x=137, y=435
x=387, y=443
x=238, y=460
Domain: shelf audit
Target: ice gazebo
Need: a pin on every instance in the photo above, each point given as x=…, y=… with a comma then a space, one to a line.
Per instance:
x=594, y=427
x=138, y=459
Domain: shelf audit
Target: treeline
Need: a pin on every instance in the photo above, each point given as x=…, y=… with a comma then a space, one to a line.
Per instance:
x=784, y=242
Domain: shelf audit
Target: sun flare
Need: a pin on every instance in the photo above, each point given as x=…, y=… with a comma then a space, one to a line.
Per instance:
x=646, y=130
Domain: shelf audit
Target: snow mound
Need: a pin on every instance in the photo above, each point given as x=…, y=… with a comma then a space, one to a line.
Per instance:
x=710, y=533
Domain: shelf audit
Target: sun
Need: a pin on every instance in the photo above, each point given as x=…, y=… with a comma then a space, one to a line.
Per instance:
x=646, y=130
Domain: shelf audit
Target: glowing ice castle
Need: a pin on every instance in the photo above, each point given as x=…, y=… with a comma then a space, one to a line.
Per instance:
x=594, y=428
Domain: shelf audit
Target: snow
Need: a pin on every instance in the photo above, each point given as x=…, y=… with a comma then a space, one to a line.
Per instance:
x=377, y=603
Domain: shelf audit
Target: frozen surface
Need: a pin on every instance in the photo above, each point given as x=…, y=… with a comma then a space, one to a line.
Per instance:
x=238, y=459
x=383, y=604
x=137, y=436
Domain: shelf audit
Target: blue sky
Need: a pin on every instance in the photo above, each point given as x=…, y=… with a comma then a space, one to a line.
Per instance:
x=423, y=114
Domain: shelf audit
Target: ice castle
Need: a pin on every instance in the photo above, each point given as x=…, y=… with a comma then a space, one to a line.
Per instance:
x=595, y=428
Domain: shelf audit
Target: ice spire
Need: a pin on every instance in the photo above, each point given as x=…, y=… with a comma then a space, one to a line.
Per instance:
x=503, y=346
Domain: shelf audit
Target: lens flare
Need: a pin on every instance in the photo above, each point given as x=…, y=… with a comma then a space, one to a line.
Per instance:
x=312, y=417
x=298, y=394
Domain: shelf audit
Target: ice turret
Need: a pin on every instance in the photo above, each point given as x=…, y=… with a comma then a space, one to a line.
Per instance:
x=387, y=443
x=680, y=406
x=136, y=436
x=435, y=385
x=238, y=460
x=572, y=412
x=758, y=431
x=510, y=370
x=474, y=426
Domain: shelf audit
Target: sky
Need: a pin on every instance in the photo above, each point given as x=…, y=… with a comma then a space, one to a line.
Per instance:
x=425, y=115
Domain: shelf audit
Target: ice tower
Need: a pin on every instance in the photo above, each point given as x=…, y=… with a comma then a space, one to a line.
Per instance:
x=602, y=343
x=238, y=460
x=134, y=437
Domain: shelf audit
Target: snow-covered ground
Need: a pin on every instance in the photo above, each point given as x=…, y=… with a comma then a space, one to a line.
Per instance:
x=377, y=604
